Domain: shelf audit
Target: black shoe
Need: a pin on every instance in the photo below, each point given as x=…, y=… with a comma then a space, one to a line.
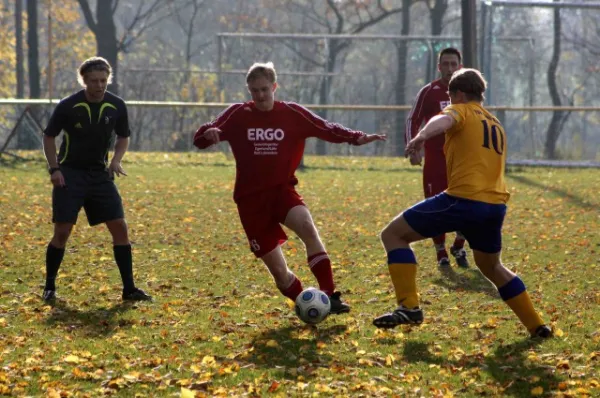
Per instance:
x=49, y=295
x=400, y=316
x=543, y=332
x=444, y=263
x=460, y=255
x=337, y=305
x=136, y=295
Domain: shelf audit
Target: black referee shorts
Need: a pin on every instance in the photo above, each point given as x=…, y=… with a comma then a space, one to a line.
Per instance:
x=94, y=190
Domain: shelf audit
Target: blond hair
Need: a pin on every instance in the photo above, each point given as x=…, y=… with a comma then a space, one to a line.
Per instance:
x=93, y=64
x=258, y=69
x=469, y=81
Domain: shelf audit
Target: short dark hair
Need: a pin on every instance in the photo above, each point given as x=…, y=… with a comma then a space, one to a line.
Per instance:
x=91, y=64
x=452, y=51
x=469, y=81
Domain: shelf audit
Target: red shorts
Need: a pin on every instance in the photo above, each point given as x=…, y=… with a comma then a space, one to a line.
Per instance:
x=263, y=213
x=434, y=177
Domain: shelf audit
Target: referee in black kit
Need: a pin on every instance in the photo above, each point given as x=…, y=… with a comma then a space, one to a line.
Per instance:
x=80, y=176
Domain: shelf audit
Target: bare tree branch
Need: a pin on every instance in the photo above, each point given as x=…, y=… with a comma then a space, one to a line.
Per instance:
x=89, y=18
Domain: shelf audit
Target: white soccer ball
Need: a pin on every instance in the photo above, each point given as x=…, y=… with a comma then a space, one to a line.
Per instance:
x=312, y=305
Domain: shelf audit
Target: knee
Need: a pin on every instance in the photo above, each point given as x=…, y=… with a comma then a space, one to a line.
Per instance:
x=309, y=231
x=387, y=234
x=61, y=236
x=119, y=232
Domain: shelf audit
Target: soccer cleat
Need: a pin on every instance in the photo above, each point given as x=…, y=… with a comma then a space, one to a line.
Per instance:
x=400, y=316
x=49, y=295
x=460, y=255
x=136, y=295
x=444, y=262
x=543, y=332
x=337, y=305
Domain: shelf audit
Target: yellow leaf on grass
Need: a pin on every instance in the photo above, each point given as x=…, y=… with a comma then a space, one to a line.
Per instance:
x=389, y=360
x=209, y=360
x=537, y=391
x=72, y=359
x=564, y=364
x=187, y=393
x=272, y=343
x=559, y=333
x=195, y=369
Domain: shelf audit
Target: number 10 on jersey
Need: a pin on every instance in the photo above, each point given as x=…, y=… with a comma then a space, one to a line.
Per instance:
x=497, y=137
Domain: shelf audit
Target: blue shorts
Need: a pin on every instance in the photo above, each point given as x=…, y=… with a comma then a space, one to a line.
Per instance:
x=479, y=222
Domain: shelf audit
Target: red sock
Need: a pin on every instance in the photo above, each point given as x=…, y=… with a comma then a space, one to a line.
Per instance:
x=320, y=266
x=440, y=246
x=293, y=290
x=459, y=243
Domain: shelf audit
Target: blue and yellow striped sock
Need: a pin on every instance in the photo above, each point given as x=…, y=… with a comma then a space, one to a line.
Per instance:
x=402, y=265
x=514, y=293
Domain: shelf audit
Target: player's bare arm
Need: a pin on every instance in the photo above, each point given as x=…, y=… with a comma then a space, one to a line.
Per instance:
x=435, y=126
x=368, y=138
x=56, y=177
x=115, y=167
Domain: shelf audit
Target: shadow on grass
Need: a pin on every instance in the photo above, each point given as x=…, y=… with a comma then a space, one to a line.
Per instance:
x=470, y=280
x=98, y=322
x=294, y=350
x=508, y=365
x=575, y=199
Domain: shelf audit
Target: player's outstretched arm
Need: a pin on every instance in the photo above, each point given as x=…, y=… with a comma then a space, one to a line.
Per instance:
x=207, y=137
x=435, y=126
x=368, y=138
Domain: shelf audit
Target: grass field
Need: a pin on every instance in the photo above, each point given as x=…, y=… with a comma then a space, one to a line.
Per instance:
x=219, y=327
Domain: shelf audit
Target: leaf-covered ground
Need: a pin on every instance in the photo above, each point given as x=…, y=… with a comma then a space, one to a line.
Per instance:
x=219, y=327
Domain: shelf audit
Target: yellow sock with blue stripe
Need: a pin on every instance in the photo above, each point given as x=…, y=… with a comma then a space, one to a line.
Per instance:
x=514, y=293
x=402, y=265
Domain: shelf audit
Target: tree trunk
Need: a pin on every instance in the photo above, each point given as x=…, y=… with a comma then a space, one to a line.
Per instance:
x=32, y=49
x=106, y=40
x=19, y=48
x=401, y=53
x=555, y=123
x=27, y=141
x=469, y=33
x=436, y=14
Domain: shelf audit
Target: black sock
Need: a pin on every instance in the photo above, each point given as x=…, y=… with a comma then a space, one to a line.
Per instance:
x=124, y=261
x=54, y=257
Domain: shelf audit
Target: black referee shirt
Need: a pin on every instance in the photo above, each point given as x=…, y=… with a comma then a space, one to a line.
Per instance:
x=88, y=128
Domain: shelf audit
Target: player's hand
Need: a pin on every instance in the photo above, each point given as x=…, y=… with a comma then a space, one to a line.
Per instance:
x=57, y=179
x=415, y=145
x=368, y=138
x=415, y=158
x=115, y=168
x=212, y=135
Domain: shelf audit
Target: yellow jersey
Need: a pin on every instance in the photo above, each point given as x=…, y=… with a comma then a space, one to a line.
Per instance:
x=475, y=149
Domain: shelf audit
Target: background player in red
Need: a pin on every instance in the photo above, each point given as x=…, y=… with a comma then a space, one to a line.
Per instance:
x=430, y=101
x=267, y=139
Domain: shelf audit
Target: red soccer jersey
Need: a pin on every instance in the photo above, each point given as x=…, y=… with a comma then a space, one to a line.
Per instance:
x=430, y=101
x=268, y=145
